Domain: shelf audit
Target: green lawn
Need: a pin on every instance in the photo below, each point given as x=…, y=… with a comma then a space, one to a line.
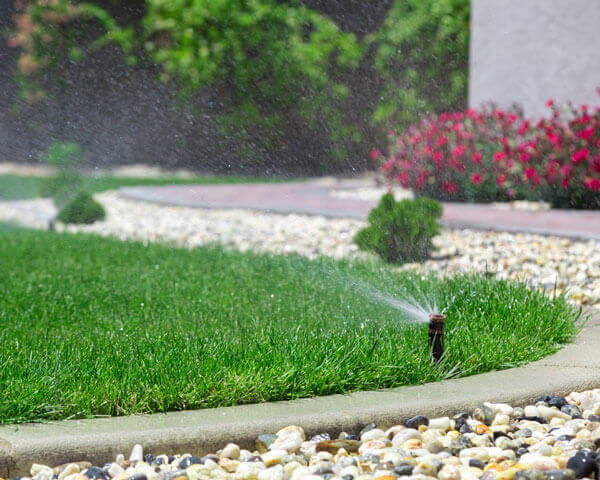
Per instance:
x=94, y=326
x=15, y=187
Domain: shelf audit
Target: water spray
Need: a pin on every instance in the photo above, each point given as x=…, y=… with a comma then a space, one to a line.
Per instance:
x=436, y=335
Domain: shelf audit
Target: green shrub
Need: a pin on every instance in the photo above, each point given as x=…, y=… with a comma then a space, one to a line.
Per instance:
x=401, y=231
x=422, y=55
x=81, y=209
x=63, y=185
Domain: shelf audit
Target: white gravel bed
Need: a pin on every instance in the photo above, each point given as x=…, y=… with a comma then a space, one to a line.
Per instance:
x=554, y=439
x=538, y=260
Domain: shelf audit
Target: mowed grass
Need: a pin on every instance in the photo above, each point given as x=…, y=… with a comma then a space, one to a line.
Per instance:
x=94, y=326
x=17, y=187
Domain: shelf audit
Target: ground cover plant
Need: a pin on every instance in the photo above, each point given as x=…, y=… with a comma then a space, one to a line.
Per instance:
x=493, y=155
x=95, y=326
x=82, y=208
x=16, y=187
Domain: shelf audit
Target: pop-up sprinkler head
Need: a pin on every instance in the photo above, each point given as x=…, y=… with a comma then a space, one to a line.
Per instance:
x=436, y=335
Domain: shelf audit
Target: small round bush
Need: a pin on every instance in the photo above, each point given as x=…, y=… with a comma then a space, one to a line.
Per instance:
x=401, y=231
x=82, y=209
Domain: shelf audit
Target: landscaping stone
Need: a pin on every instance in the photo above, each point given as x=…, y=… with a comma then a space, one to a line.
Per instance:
x=522, y=448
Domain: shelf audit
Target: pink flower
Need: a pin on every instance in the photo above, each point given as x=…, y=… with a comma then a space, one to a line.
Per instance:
x=458, y=151
x=471, y=113
x=476, y=178
x=580, y=155
x=523, y=128
x=374, y=154
x=550, y=103
x=420, y=181
x=416, y=139
x=477, y=157
x=427, y=150
x=592, y=184
x=449, y=187
x=500, y=180
x=498, y=156
x=525, y=157
x=388, y=164
x=566, y=170
x=438, y=156
x=596, y=164
x=586, y=134
x=441, y=141
x=529, y=173
x=404, y=179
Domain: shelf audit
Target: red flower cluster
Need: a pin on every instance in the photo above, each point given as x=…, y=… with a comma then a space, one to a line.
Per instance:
x=497, y=155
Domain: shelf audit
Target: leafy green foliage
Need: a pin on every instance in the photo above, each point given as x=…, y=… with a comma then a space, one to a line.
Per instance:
x=274, y=59
x=82, y=208
x=422, y=53
x=401, y=231
x=280, y=71
x=67, y=181
x=208, y=327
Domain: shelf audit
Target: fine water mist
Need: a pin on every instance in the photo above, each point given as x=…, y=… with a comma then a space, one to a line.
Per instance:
x=415, y=310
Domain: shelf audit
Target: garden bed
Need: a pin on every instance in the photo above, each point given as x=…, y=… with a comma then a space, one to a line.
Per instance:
x=95, y=326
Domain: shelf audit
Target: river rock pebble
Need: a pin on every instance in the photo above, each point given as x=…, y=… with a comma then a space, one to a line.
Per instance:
x=557, y=264
x=522, y=449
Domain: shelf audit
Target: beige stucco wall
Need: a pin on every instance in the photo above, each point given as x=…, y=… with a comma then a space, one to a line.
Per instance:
x=527, y=51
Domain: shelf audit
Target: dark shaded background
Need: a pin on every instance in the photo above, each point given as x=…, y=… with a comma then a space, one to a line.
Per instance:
x=123, y=115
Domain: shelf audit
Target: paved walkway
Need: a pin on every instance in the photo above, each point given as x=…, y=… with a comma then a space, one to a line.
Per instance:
x=314, y=198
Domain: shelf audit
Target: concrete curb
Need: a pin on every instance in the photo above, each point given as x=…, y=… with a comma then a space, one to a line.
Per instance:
x=575, y=367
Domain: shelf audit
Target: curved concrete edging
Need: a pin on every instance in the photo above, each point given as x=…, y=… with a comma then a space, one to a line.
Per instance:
x=575, y=367
x=313, y=198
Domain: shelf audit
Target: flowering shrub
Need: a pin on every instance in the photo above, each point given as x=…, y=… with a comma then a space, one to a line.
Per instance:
x=493, y=155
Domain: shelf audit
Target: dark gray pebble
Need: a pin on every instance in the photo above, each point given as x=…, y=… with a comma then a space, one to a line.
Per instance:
x=416, y=421
x=530, y=475
x=484, y=414
x=187, y=461
x=553, y=400
x=473, y=462
x=572, y=410
x=533, y=418
x=367, y=428
x=583, y=463
x=562, y=474
x=138, y=476
x=403, y=470
x=97, y=472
